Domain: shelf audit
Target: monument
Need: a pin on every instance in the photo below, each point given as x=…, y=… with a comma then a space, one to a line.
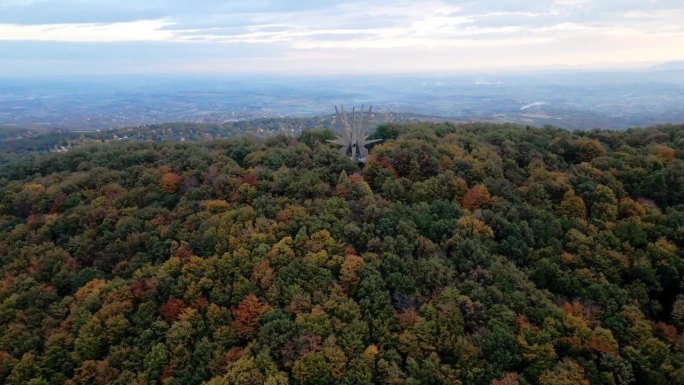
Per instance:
x=354, y=134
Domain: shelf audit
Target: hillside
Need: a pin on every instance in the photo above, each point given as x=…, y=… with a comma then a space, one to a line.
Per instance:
x=458, y=254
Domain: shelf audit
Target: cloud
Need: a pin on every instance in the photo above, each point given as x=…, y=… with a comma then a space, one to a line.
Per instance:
x=334, y=33
x=144, y=30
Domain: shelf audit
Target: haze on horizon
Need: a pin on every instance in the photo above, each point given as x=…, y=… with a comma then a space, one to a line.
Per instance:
x=74, y=37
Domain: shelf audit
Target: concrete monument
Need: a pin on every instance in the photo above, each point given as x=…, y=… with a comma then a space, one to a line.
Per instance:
x=354, y=135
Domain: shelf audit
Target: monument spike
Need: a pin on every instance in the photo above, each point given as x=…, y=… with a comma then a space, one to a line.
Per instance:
x=353, y=135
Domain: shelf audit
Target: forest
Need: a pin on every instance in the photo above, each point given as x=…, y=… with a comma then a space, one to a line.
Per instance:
x=487, y=254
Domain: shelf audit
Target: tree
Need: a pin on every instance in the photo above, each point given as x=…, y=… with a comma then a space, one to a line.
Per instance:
x=566, y=372
x=572, y=206
x=246, y=316
x=170, y=309
x=666, y=153
x=605, y=205
x=90, y=343
x=154, y=363
x=509, y=378
x=348, y=276
x=23, y=371
x=312, y=369
x=476, y=197
x=473, y=226
x=169, y=182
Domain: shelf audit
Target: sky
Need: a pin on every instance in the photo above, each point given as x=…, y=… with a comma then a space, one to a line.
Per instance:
x=74, y=37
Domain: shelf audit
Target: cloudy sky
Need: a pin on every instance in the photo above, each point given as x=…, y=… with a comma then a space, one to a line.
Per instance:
x=333, y=37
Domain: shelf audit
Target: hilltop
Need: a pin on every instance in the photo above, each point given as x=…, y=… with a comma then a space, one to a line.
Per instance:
x=457, y=254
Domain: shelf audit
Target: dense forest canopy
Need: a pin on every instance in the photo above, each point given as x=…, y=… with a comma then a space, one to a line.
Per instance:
x=473, y=254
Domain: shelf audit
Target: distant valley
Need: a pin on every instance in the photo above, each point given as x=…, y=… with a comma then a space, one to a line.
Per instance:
x=566, y=99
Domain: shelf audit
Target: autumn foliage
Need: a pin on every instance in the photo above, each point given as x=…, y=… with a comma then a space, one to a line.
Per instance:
x=458, y=254
x=246, y=315
x=169, y=182
x=170, y=309
x=476, y=197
